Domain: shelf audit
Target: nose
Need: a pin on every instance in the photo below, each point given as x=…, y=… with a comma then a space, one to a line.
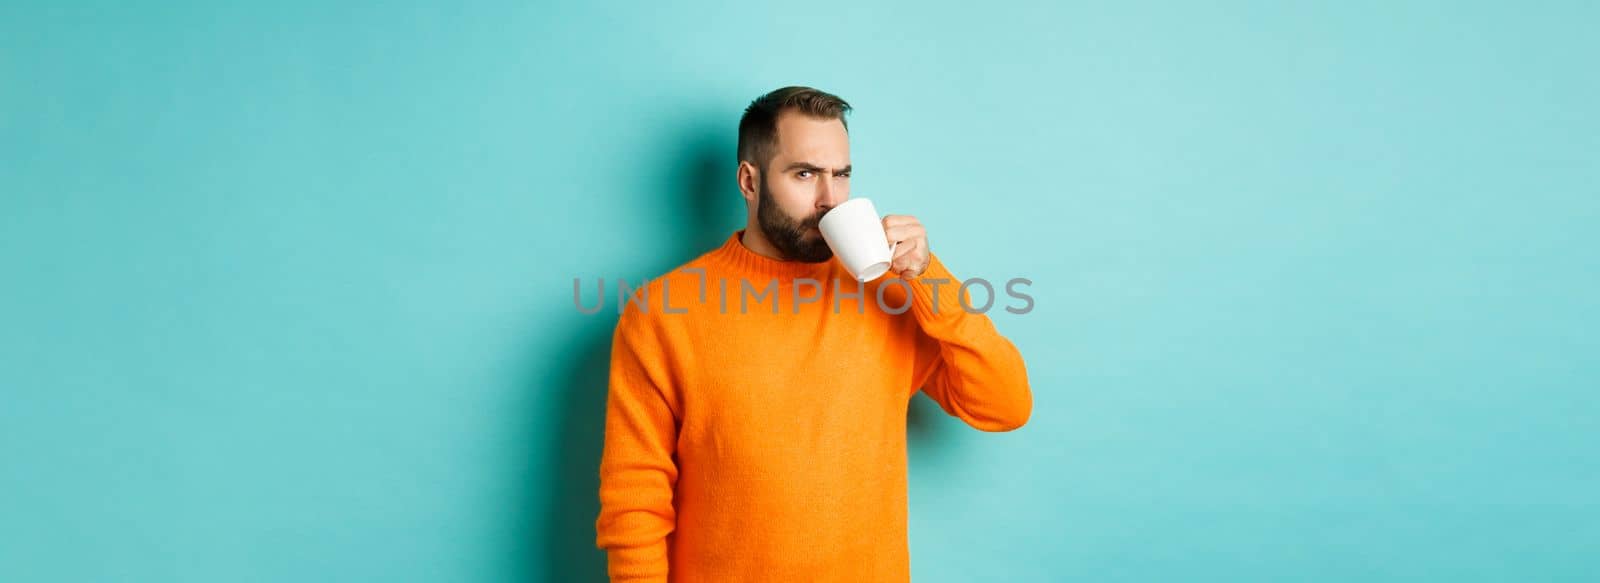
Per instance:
x=829, y=195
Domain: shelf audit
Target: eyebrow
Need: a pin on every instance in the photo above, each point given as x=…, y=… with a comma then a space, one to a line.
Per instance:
x=812, y=167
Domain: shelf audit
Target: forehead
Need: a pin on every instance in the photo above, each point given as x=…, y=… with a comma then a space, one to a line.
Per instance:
x=820, y=141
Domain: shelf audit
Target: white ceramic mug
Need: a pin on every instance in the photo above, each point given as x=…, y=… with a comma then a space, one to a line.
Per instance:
x=855, y=233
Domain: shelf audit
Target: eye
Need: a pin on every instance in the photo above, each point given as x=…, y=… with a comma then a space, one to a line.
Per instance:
x=804, y=174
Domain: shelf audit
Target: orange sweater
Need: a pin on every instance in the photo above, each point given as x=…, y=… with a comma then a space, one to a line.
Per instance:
x=764, y=446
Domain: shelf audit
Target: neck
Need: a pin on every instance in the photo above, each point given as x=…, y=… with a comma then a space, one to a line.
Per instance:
x=755, y=240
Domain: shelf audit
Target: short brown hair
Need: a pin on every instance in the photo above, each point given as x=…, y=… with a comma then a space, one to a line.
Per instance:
x=758, y=129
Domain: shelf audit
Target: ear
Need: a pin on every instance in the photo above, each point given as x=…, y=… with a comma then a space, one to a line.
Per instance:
x=747, y=179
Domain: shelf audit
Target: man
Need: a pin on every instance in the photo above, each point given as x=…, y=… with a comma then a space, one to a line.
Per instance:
x=748, y=441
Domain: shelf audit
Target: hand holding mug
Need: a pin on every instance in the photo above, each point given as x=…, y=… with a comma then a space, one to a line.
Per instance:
x=910, y=241
x=869, y=246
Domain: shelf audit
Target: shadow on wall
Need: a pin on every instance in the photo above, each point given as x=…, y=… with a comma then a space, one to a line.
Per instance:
x=699, y=198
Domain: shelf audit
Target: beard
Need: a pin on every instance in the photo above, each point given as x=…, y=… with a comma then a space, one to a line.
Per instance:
x=788, y=234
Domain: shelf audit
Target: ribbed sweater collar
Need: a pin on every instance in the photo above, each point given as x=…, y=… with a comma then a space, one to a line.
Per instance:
x=743, y=262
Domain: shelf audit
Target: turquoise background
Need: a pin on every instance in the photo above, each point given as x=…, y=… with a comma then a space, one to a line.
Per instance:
x=287, y=288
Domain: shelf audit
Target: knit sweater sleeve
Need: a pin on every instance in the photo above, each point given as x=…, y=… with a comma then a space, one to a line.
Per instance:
x=638, y=470
x=978, y=375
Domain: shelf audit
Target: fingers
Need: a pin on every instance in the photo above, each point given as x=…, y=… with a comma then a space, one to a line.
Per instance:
x=906, y=247
x=899, y=228
x=911, y=257
x=891, y=220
